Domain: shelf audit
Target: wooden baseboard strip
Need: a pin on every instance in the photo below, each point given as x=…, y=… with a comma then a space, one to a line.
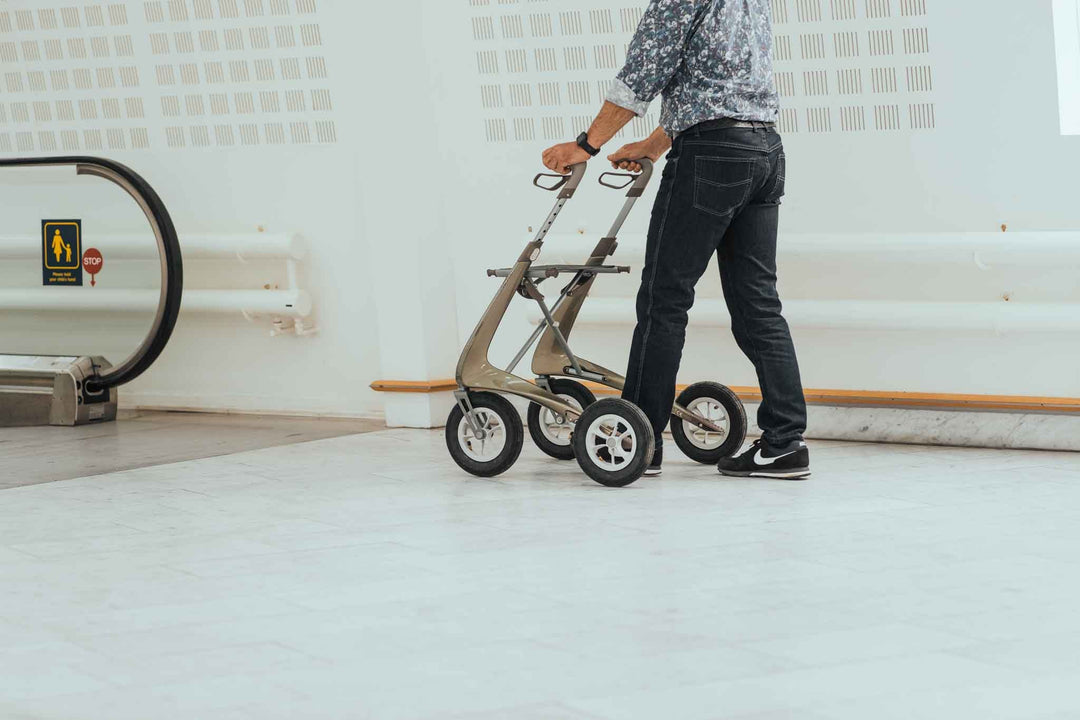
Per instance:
x=854, y=398
x=414, y=386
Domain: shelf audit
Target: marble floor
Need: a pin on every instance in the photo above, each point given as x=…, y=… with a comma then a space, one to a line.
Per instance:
x=365, y=577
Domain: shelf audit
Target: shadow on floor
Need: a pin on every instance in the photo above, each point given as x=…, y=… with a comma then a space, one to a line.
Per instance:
x=29, y=456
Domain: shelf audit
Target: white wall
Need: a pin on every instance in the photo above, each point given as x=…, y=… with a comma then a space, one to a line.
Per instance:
x=421, y=191
x=1067, y=36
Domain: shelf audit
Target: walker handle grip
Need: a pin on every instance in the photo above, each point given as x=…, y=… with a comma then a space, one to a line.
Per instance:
x=567, y=183
x=638, y=182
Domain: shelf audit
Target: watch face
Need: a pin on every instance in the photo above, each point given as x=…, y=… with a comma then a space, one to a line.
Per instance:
x=583, y=143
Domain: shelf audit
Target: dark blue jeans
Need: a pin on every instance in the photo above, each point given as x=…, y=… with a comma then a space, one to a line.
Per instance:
x=720, y=194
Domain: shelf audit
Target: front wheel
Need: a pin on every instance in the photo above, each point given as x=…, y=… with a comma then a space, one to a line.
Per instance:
x=613, y=442
x=552, y=435
x=722, y=407
x=492, y=443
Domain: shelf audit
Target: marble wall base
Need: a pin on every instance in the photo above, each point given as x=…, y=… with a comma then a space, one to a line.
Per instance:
x=1026, y=431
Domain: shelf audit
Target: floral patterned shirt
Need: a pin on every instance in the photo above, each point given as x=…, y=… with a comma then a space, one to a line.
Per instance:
x=711, y=59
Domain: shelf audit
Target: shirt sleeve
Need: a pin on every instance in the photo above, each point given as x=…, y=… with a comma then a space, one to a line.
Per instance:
x=655, y=53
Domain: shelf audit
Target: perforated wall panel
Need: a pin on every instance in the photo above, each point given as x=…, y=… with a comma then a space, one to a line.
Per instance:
x=543, y=66
x=154, y=74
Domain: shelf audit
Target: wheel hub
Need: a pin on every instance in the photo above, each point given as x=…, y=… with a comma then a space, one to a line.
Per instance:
x=556, y=426
x=487, y=440
x=612, y=443
x=713, y=411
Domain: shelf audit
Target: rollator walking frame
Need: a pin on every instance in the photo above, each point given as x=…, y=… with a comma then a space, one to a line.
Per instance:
x=553, y=356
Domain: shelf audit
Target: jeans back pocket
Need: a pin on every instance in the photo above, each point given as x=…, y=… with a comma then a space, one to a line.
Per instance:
x=779, y=181
x=721, y=185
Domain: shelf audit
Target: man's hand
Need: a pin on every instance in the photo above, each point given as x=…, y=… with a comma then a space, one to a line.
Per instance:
x=611, y=119
x=562, y=157
x=652, y=147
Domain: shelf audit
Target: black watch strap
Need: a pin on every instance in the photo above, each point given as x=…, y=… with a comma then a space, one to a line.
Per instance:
x=583, y=143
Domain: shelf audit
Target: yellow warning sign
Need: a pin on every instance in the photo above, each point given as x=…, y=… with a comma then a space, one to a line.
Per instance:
x=61, y=252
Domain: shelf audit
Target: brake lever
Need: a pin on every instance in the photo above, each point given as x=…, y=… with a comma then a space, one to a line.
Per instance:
x=630, y=180
x=639, y=181
x=563, y=179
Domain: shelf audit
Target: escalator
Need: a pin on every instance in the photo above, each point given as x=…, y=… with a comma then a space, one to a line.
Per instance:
x=78, y=390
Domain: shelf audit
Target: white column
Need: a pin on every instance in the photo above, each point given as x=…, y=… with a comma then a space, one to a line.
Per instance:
x=401, y=209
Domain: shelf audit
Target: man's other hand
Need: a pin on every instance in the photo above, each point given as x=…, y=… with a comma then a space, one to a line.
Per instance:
x=561, y=158
x=623, y=158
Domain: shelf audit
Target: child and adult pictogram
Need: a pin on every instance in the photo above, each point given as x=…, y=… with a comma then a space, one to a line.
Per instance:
x=61, y=252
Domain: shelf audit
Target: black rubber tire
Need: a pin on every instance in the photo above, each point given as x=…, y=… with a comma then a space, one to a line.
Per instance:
x=579, y=393
x=736, y=413
x=632, y=416
x=511, y=421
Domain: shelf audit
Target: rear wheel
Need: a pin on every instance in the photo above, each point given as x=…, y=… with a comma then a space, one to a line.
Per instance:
x=613, y=442
x=722, y=407
x=550, y=433
x=494, y=445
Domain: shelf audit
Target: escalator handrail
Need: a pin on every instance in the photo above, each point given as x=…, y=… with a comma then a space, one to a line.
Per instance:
x=172, y=265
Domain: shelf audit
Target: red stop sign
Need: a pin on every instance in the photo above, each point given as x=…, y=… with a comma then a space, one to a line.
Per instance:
x=92, y=263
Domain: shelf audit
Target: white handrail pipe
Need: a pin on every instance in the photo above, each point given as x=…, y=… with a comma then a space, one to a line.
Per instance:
x=277, y=303
x=269, y=246
x=984, y=250
x=1001, y=317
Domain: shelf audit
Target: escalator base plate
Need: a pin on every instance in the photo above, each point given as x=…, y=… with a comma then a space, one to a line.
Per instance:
x=48, y=390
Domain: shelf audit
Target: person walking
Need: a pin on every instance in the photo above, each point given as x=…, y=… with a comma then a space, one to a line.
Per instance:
x=720, y=194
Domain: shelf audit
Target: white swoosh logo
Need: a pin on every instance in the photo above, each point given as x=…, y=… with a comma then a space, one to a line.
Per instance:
x=760, y=456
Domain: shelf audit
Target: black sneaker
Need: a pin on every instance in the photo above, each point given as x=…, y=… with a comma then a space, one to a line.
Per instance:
x=761, y=460
x=657, y=460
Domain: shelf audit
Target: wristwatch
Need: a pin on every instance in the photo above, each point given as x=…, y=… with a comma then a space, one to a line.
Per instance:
x=583, y=143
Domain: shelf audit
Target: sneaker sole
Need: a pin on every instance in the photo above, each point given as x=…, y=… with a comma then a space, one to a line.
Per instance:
x=653, y=473
x=792, y=475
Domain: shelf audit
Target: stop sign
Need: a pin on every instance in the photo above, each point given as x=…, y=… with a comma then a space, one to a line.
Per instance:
x=92, y=263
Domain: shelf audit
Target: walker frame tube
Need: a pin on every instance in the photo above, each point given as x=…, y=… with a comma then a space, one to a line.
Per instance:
x=551, y=358
x=474, y=369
